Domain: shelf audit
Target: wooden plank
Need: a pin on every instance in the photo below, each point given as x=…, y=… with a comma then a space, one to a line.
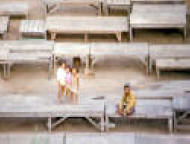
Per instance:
x=182, y=103
x=158, y=16
x=71, y=49
x=14, y=8
x=159, y=1
x=27, y=45
x=32, y=28
x=86, y=25
x=94, y=138
x=173, y=64
x=4, y=22
x=169, y=51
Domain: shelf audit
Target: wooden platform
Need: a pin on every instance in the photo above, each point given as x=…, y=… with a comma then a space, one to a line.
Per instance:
x=14, y=9
x=108, y=4
x=137, y=50
x=4, y=24
x=165, y=16
x=34, y=28
x=181, y=107
x=51, y=6
x=86, y=25
x=158, y=1
x=27, y=51
x=145, y=109
x=33, y=106
x=169, y=56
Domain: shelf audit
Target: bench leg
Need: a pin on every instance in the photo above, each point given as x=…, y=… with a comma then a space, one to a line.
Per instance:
x=85, y=38
x=105, y=7
x=102, y=124
x=157, y=73
x=49, y=124
x=53, y=36
x=185, y=33
x=170, y=125
x=119, y=36
x=175, y=122
x=107, y=123
x=131, y=34
x=100, y=9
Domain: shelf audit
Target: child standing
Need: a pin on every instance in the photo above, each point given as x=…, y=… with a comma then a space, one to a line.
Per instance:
x=75, y=84
x=61, y=83
x=68, y=80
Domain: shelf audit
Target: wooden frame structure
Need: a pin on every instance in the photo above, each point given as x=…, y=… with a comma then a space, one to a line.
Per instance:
x=14, y=8
x=86, y=25
x=4, y=25
x=146, y=16
x=27, y=51
x=152, y=109
x=51, y=6
x=158, y=1
x=169, y=57
x=34, y=28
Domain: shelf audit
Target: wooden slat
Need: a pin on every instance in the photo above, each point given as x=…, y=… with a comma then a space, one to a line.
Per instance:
x=158, y=15
x=89, y=25
x=4, y=21
x=14, y=8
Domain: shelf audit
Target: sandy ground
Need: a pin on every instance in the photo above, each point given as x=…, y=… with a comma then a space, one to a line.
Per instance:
x=110, y=76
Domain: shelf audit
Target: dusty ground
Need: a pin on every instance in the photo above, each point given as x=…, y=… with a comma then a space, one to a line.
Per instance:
x=110, y=74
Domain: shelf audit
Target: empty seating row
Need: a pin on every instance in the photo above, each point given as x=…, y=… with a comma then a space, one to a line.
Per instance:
x=162, y=56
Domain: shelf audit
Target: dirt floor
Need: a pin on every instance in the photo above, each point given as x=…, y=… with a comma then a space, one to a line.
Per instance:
x=110, y=76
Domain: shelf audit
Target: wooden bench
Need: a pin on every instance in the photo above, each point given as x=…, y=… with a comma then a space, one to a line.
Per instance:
x=165, y=16
x=145, y=109
x=40, y=107
x=14, y=9
x=4, y=24
x=138, y=50
x=32, y=138
x=35, y=28
x=27, y=51
x=117, y=3
x=169, y=57
x=181, y=106
x=86, y=25
x=51, y=6
x=158, y=1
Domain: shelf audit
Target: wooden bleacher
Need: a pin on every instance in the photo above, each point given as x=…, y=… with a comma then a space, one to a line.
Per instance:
x=86, y=25
x=4, y=24
x=14, y=8
x=165, y=16
x=169, y=57
x=27, y=51
x=34, y=28
x=158, y=1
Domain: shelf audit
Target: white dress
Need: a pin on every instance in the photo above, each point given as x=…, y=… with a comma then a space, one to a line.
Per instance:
x=61, y=76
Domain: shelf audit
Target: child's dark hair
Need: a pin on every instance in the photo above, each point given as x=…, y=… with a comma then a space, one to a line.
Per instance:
x=61, y=61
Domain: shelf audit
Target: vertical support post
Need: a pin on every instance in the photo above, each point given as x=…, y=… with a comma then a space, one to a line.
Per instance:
x=99, y=8
x=118, y=36
x=157, y=73
x=102, y=123
x=185, y=32
x=53, y=36
x=87, y=68
x=105, y=7
x=170, y=125
x=175, y=121
x=49, y=124
x=85, y=37
x=131, y=33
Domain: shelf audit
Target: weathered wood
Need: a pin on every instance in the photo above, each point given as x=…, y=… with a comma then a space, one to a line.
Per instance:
x=171, y=64
x=117, y=3
x=158, y=1
x=27, y=51
x=14, y=8
x=86, y=25
x=169, y=56
x=32, y=28
x=32, y=106
x=144, y=111
x=4, y=23
x=158, y=16
x=58, y=3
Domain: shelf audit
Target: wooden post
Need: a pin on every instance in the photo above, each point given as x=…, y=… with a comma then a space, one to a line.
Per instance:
x=170, y=125
x=49, y=124
x=88, y=71
x=185, y=32
x=53, y=36
x=131, y=33
x=99, y=8
x=102, y=123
